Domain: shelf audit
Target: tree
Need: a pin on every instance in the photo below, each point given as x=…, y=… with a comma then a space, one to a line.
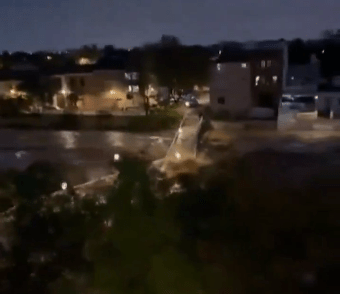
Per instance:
x=90, y=52
x=40, y=178
x=169, y=41
x=327, y=34
x=109, y=50
x=33, y=87
x=73, y=98
x=298, y=53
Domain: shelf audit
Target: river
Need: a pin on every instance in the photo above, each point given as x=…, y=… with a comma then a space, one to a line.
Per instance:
x=85, y=155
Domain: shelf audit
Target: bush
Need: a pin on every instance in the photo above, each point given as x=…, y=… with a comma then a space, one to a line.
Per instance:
x=9, y=107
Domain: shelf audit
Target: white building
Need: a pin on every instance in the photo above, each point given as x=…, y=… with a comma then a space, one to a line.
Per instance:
x=230, y=88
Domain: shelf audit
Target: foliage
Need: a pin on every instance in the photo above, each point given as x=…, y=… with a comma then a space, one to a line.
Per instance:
x=240, y=232
x=174, y=65
x=37, y=87
x=298, y=52
x=38, y=179
x=88, y=51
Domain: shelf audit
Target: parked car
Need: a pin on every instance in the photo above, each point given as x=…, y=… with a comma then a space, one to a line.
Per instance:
x=191, y=102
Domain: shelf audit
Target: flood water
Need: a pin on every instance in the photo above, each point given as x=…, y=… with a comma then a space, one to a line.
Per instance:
x=86, y=153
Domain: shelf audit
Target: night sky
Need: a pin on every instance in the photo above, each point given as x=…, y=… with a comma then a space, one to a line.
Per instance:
x=59, y=24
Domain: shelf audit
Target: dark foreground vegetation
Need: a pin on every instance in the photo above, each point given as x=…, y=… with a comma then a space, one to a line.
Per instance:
x=228, y=233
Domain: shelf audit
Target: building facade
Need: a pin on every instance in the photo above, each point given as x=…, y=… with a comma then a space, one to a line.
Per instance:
x=267, y=69
x=98, y=89
x=251, y=79
x=230, y=88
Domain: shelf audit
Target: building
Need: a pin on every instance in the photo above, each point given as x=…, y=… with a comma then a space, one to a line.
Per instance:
x=230, y=88
x=103, y=86
x=252, y=77
x=267, y=66
x=328, y=102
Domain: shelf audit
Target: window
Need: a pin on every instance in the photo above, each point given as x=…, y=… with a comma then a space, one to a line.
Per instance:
x=263, y=63
x=269, y=63
x=130, y=88
x=135, y=89
x=274, y=79
x=82, y=82
x=218, y=66
x=128, y=76
x=244, y=65
x=220, y=100
x=134, y=76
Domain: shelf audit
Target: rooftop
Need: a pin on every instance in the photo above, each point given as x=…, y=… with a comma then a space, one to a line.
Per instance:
x=247, y=55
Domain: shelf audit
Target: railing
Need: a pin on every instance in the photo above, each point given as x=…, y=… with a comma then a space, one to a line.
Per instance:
x=198, y=135
x=176, y=136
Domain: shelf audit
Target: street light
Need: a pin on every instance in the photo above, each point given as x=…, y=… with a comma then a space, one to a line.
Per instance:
x=64, y=185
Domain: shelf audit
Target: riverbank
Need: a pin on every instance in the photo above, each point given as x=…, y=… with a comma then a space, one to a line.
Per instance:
x=160, y=120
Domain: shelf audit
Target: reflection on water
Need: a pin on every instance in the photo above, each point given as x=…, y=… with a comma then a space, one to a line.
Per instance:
x=82, y=156
x=115, y=139
x=68, y=139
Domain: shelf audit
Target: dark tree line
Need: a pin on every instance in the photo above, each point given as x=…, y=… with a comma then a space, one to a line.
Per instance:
x=170, y=64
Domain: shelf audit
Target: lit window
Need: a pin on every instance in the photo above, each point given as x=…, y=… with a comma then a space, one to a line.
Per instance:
x=130, y=88
x=316, y=97
x=218, y=66
x=269, y=63
x=219, y=52
x=135, y=89
x=220, y=100
x=257, y=79
x=244, y=65
x=274, y=79
x=128, y=76
x=263, y=63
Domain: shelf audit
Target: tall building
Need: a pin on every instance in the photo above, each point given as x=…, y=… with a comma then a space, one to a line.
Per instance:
x=251, y=78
